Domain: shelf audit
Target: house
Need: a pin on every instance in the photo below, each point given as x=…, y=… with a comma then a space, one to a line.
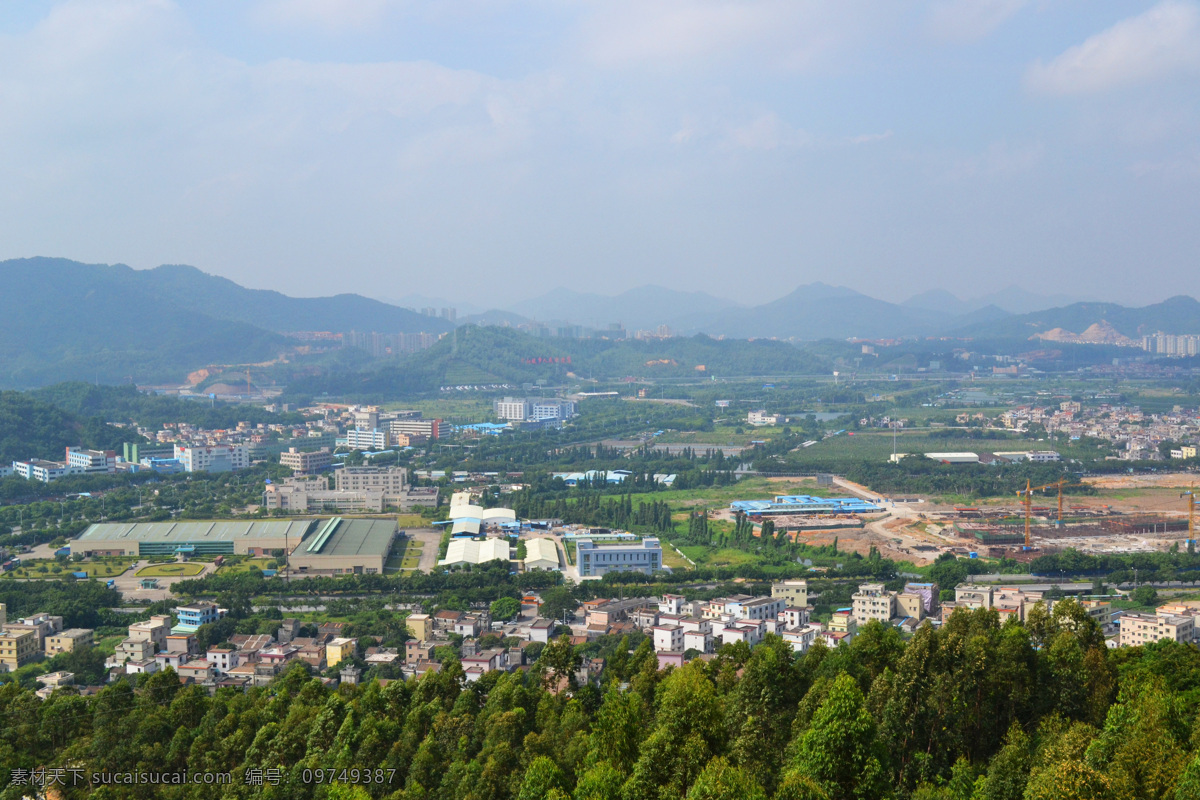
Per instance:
x=68, y=641
x=148, y=666
x=420, y=626
x=469, y=625
x=542, y=630
x=339, y=649
x=793, y=617
x=193, y=615
x=672, y=604
x=701, y=641
x=199, y=670
x=415, y=651
x=222, y=659
x=154, y=630
x=873, y=602
x=670, y=658
x=132, y=650
x=667, y=637
x=444, y=620
x=800, y=638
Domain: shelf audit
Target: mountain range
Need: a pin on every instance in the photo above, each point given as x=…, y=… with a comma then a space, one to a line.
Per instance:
x=67, y=320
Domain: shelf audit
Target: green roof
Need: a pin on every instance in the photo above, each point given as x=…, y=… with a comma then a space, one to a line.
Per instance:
x=183, y=533
x=358, y=537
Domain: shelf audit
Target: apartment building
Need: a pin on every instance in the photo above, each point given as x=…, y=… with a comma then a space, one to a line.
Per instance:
x=1139, y=629
x=873, y=601
x=17, y=648
x=306, y=463
x=793, y=593
x=36, y=469
x=88, y=462
x=389, y=480
x=68, y=641
x=667, y=637
x=427, y=428
x=972, y=595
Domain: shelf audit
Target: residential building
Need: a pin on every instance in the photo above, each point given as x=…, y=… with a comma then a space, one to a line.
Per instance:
x=339, y=650
x=68, y=641
x=793, y=593
x=420, y=626
x=542, y=630
x=132, y=650
x=199, y=670
x=792, y=617
x=972, y=595
x=193, y=615
x=910, y=604
x=1139, y=629
x=598, y=559
x=672, y=604
x=222, y=659
x=153, y=630
x=426, y=428
x=667, y=637
x=306, y=463
x=873, y=601
x=17, y=648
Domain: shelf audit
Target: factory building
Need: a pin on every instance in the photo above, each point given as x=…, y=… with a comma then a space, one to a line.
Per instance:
x=803, y=504
x=597, y=559
x=473, y=551
x=208, y=537
x=541, y=554
x=344, y=547
x=215, y=458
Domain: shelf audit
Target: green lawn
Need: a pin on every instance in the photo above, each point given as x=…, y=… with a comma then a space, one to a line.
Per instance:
x=412, y=521
x=405, y=554
x=170, y=570
x=244, y=565
x=727, y=557
x=101, y=568
x=672, y=559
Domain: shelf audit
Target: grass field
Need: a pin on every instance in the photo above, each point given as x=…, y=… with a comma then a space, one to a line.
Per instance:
x=244, y=565
x=411, y=521
x=727, y=557
x=876, y=445
x=170, y=570
x=406, y=554
x=672, y=559
x=94, y=569
x=720, y=434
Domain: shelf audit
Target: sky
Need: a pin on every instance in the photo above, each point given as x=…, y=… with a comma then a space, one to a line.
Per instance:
x=491, y=150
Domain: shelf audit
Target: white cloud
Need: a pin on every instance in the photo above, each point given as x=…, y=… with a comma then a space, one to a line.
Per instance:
x=969, y=20
x=1160, y=43
x=324, y=14
x=781, y=33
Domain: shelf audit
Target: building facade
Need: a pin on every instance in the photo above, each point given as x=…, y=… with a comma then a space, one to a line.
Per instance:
x=214, y=458
x=596, y=560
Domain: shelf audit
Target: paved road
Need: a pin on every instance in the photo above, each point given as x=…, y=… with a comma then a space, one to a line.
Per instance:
x=431, y=538
x=127, y=584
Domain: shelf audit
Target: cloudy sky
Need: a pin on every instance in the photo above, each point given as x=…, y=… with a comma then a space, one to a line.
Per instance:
x=490, y=150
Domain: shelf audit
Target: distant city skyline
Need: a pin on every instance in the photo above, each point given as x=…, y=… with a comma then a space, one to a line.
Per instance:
x=492, y=151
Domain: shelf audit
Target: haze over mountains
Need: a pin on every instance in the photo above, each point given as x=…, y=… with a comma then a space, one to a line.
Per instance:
x=67, y=320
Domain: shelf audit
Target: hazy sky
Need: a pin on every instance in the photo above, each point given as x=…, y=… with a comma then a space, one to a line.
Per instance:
x=493, y=149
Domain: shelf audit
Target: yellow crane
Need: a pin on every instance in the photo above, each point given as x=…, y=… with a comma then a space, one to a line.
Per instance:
x=1190, y=494
x=1026, y=496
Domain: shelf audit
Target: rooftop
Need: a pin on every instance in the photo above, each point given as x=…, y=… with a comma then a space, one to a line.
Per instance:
x=205, y=531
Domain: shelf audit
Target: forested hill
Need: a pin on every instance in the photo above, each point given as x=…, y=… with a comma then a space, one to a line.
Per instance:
x=487, y=355
x=33, y=428
x=64, y=320
x=971, y=711
x=127, y=404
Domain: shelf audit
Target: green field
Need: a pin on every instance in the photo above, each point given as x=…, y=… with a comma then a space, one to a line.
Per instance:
x=170, y=570
x=727, y=557
x=405, y=554
x=236, y=566
x=876, y=445
x=411, y=521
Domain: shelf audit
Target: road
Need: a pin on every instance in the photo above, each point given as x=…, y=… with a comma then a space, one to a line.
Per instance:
x=431, y=540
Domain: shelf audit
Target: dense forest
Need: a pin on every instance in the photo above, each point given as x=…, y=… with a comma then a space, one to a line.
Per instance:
x=127, y=404
x=34, y=428
x=975, y=710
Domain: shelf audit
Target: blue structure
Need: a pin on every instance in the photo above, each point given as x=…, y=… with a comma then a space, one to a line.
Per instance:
x=803, y=504
x=193, y=615
x=485, y=428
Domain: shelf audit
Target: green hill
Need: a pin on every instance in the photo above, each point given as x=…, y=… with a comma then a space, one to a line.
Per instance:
x=1180, y=314
x=474, y=355
x=33, y=428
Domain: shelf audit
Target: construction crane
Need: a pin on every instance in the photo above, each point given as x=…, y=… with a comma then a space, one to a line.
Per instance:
x=1190, y=494
x=1026, y=496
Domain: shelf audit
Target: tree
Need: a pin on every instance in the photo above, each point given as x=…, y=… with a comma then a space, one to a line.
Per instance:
x=839, y=749
x=720, y=780
x=557, y=602
x=559, y=661
x=505, y=608
x=1144, y=595
x=541, y=777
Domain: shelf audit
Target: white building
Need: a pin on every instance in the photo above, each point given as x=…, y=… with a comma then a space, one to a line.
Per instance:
x=84, y=461
x=872, y=601
x=667, y=637
x=470, y=551
x=760, y=417
x=597, y=559
x=373, y=439
x=35, y=469
x=553, y=408
x=389, y=480
x=515, y=409
x=213, y=458
x=541, y=554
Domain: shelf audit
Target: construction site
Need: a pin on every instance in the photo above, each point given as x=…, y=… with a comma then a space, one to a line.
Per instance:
x=1110, y=514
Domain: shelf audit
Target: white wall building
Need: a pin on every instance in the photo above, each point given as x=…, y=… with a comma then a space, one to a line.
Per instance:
x=84, y=461
x=213, y=458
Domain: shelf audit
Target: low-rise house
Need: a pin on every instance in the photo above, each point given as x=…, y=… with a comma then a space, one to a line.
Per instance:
x=68, y=641
x=415, y=651
x=701, y=641
x=667, y=637
x=222, y=658
x=148, y=666
x=340, y=649
x=670, y=658
x=154, y=630
x=198, y=670
x=542, y=630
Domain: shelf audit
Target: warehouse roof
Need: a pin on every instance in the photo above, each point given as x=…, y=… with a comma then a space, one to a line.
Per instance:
x=351, y=537
x=541, y=550
x=470, y=551
x=201, y=531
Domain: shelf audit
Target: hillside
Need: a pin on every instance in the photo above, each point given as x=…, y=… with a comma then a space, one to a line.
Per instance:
x=643, y=308
x=68, y=320
x=33, y=428
x=1180, y=314
x=109, y=323
x=224, y=299
x=474, y=355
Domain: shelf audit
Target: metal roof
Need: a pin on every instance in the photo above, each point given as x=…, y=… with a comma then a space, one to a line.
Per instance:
x=203, y=530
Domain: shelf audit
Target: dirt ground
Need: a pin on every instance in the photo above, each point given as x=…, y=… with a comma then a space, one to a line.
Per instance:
x=1169, y=480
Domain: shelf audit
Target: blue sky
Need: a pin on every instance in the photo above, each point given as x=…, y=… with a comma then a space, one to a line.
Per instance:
x=490, y=150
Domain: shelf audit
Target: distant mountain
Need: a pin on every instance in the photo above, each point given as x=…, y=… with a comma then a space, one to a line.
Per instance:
x=820, y=311
x=1012, y=300
x=1180, y=314
x=99, y=322
x=645, y=307
x=497, y=317
x=224, y=299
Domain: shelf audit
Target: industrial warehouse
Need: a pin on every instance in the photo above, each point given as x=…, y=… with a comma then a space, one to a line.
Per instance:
x=803, y=504
x=345, y=546
x=208, y=537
